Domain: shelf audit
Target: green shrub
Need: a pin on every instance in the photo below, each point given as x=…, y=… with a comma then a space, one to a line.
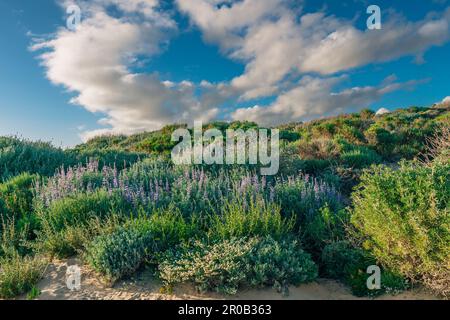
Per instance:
x=317, y=149
x=257, y=218
x=79, y=209
x=227, y=265
x=17, y=194
x=279, y=263
x=360, y=157
x=303, y=195
x=18, y=156
x=340, y=259
x=325, y=227
x=343, y=262
x=73, y=239
x=112, y=157
x=19, y=275
x=383, y=141
x=118, y=254
x=403, y=216
x=167, y=227
x=13, y=239
x=16, y=203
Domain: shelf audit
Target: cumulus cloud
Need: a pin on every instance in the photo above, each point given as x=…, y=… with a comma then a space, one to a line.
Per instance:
x=274, y=43
x=315, y=97
x=446, y=99
x=296, y=58
x=93, y=62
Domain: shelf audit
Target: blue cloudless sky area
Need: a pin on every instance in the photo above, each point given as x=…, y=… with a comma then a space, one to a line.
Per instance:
x=32, y=107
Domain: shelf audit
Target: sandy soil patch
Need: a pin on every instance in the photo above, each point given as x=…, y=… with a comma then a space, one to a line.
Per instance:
x=144, y=286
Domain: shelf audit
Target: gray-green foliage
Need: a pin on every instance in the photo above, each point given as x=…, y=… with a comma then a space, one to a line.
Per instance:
x=118, y=254
x=224, y=266
x=281, y=262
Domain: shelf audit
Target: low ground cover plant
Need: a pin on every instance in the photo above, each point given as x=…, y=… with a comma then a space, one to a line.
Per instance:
x=224, y=266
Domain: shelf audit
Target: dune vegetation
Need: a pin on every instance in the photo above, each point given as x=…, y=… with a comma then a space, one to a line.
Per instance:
x=352, y=191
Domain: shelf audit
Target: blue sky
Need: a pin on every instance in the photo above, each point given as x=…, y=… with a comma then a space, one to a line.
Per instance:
x=133, y=67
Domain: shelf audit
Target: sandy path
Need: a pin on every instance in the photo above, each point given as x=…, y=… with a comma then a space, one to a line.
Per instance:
x=144, y=287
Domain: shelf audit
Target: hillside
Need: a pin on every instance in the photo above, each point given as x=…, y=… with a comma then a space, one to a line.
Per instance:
x=353, y=192
x=397, y=134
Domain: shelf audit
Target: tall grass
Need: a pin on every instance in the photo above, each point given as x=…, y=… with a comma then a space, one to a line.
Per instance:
x=18, y=275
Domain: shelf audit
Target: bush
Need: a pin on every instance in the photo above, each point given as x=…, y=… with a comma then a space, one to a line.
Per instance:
x=79, y=209
x=67, y=224
x=16, y=205
x=17, y=195
x=219, y=266
x=257, y=218
x=303, y=196
x=167, y=227
x=121, y=252
x=403, y=216
x=73, y=239
x=279, y=263
x=342, y=261
x=65, y=243
x=225, y=266
x=19, y=275
x=118, y=254
x=360, y=157
x=325, y=227
x=18, y=156
x=13, y=239
x=113, y=158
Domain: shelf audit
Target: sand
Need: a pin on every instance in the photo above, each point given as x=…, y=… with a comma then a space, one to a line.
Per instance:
x=144, y=286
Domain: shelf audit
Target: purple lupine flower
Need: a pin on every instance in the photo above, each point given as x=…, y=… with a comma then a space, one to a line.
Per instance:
x=272, y=193
x=167, y=185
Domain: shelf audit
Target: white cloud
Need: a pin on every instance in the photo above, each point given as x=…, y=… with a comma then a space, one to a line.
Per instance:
x=277, y=47
x=274, y=44
x=314, y=97
x=93, y=62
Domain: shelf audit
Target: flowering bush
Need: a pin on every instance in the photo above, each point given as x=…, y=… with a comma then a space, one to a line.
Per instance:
x=155, y=184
